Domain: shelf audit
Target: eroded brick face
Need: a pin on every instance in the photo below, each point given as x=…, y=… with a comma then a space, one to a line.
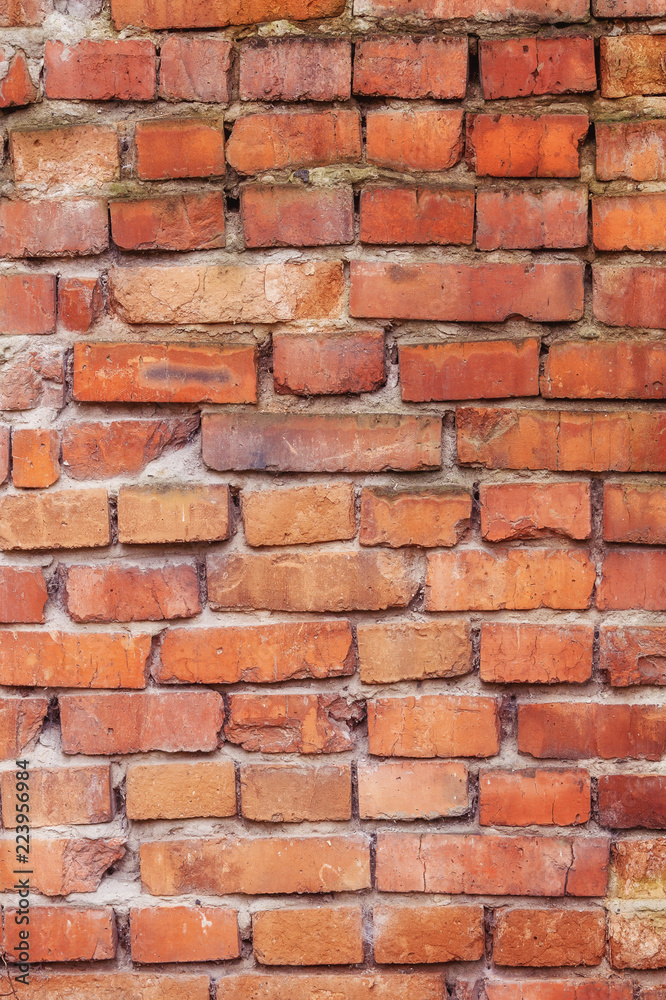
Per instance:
x=332, y=498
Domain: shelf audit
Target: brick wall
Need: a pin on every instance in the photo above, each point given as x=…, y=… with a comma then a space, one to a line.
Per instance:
x=332, y=574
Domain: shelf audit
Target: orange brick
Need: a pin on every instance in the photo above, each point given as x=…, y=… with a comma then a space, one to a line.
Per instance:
x=289, y=723
x=196, y=68
x=22, y=594
x=61, y=866
x=108, y=70
x=292, y=793
x=63, y=934
x=173, y=514
x=35, y=458
x=183, y=934
x=180, y=222
x=80, y=301
x=315, y=936
x=53, y=228
x=370, y=985
x=422, y=66
x=73, y=659
x=328, y=363
x=416, y=215
x=300, y=515
x=629, y=295
x=632, y=150
x=218, y=14
x=421, y=139
x=534, y=798
x=522, y=146
x=72, y=154
x=418, y=934
x=396, y=651
x=68, y=519
x=509, y=219
x=633, y=579
x=548, y=989
x=621, y=369
x=116, y=592
x=406, y=790
x=637, y=940
x=118, y=986
x=179, y=147
x=517, y=510
x=539, y=938
x=536, y=654
x=16, y=86
x=21, y=721
x=99, y=450
x=433, y=726
x=520, y=67
x=543, y=11
x=25, y=12
x=284, y=140
x=286, y=215
x=637, y=869
x=635, y=513
x=429, y=518
x=27, y=304
x=632, y=64
x=181, y=790
x=633, y=655
x=61, y=796
x=634, y=222
x=35, y=377
x=576, y=730
x=295, y=69
x=482, y=370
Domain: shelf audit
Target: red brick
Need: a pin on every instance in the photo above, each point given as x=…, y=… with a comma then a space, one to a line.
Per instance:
x=256, y=654
x=633, y=150
x=405, y=790
x=27, y=303
x=370, y=985
x=180, y=222
x=288, y=723
x=637, y=940
x=567, y=989
x=632, y=800
x=638, y=869
x=621, y=369
x=536, y=654
x=122, y=723
x=521, y=146
x=328, y=363
x=63, y=934
x=152, y=516
x=291, y=793
x=68, y=519
x=477, y=370
x=196, y=68
x=565, y=441
x=181, y=790
x=74, y=659
x=171, y=148
x=290, y=442
x=118, y=986
x=433, y=726
x=259, y=866
x=422, y=66
x=52, y=228
x=21, y=721
x=109, y=70
x=632, y=64
x=534, y=798
x=629, y=295
x=96, y=450
x=417, y=215
x=635, y=513
x=183, y=934
x=299, y=515
x=633, y=655
x=218, y=14
x=421, y=139
x=22, y=13
x=212, y=293
x=509, y=579
x=22, y=594
x=287, y=215
x=633, y=579
x=535, y=510
x=4, y=453
x=511, y=219
x=520, y=67
x=492, y=865
x=407, y=650
x=575, y=730
x=80, y=302
x=315, y=936
x=60, y=796
x=16, y=86
x=287, y=139
x=35, y=377
x=549, y=938
x=35, y=457
x=72, y=154
x=164, y=373
x=417, y=934
x=486, y=293
x=430, y=518
x=295, y=69
x=633, y=222
x=346, y=580
x=542, y=11
x=62, y=866
x=115, y=592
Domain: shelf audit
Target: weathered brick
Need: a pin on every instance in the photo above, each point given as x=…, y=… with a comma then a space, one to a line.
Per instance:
x=585, y=988
x=369, y=985
x=260, y=866
x=632, y=222
x=183, y=934
x=633, y=655
x=295, y=69
x=63, y=934
x=196, y=68
x=118, y=986
x=536, y=654
x=71, y=154
x=534, y=798
x=638, y=869
x=543, y=11
x=633, y=150
x=433, y=726
x=576, y=730
x=171, y=148
x=618, y=369
x=138, y=722
x=287, y=215
x=31, y=378
x=61, y=796
x=281, y=140
x=635, y=513
x=315, y=936
x=291, y=793
x=4, y=452
x=418, y=934
x=514, y=219
x=632, y=800
x=21, y=721
x=420, y=139
x=164, y=373
x=633, y=579
x=97, y=450
x=61, y=866
x=22, y=594
x=406, y=790
x=73, y=659
x=179, y=222
x=526, y=510
x=80, y=301
x=328, y=363
x=312, y=581
x=520, y=67
x=420, y=66
x=218, y=14
x=257, y=654
x=16, y=86
x=152, y=516
x=551, y=938
x=23, y=13
x=290, y=442
x=545, y=292
x=637, y=940
x=395, y=651
x=513, y=579
x=116, y=592
x=181, y=790
x=429, y=518
x=299, y=515
x=289, y=723
x=54, y=228
x=68, y=519
x=109, y=70
x=35, y=457
x=492, y=865
x=417, y=215
x=477, y=370
x=27, y=303
x=522, y=146
x=629, y=295
x=632, y=64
